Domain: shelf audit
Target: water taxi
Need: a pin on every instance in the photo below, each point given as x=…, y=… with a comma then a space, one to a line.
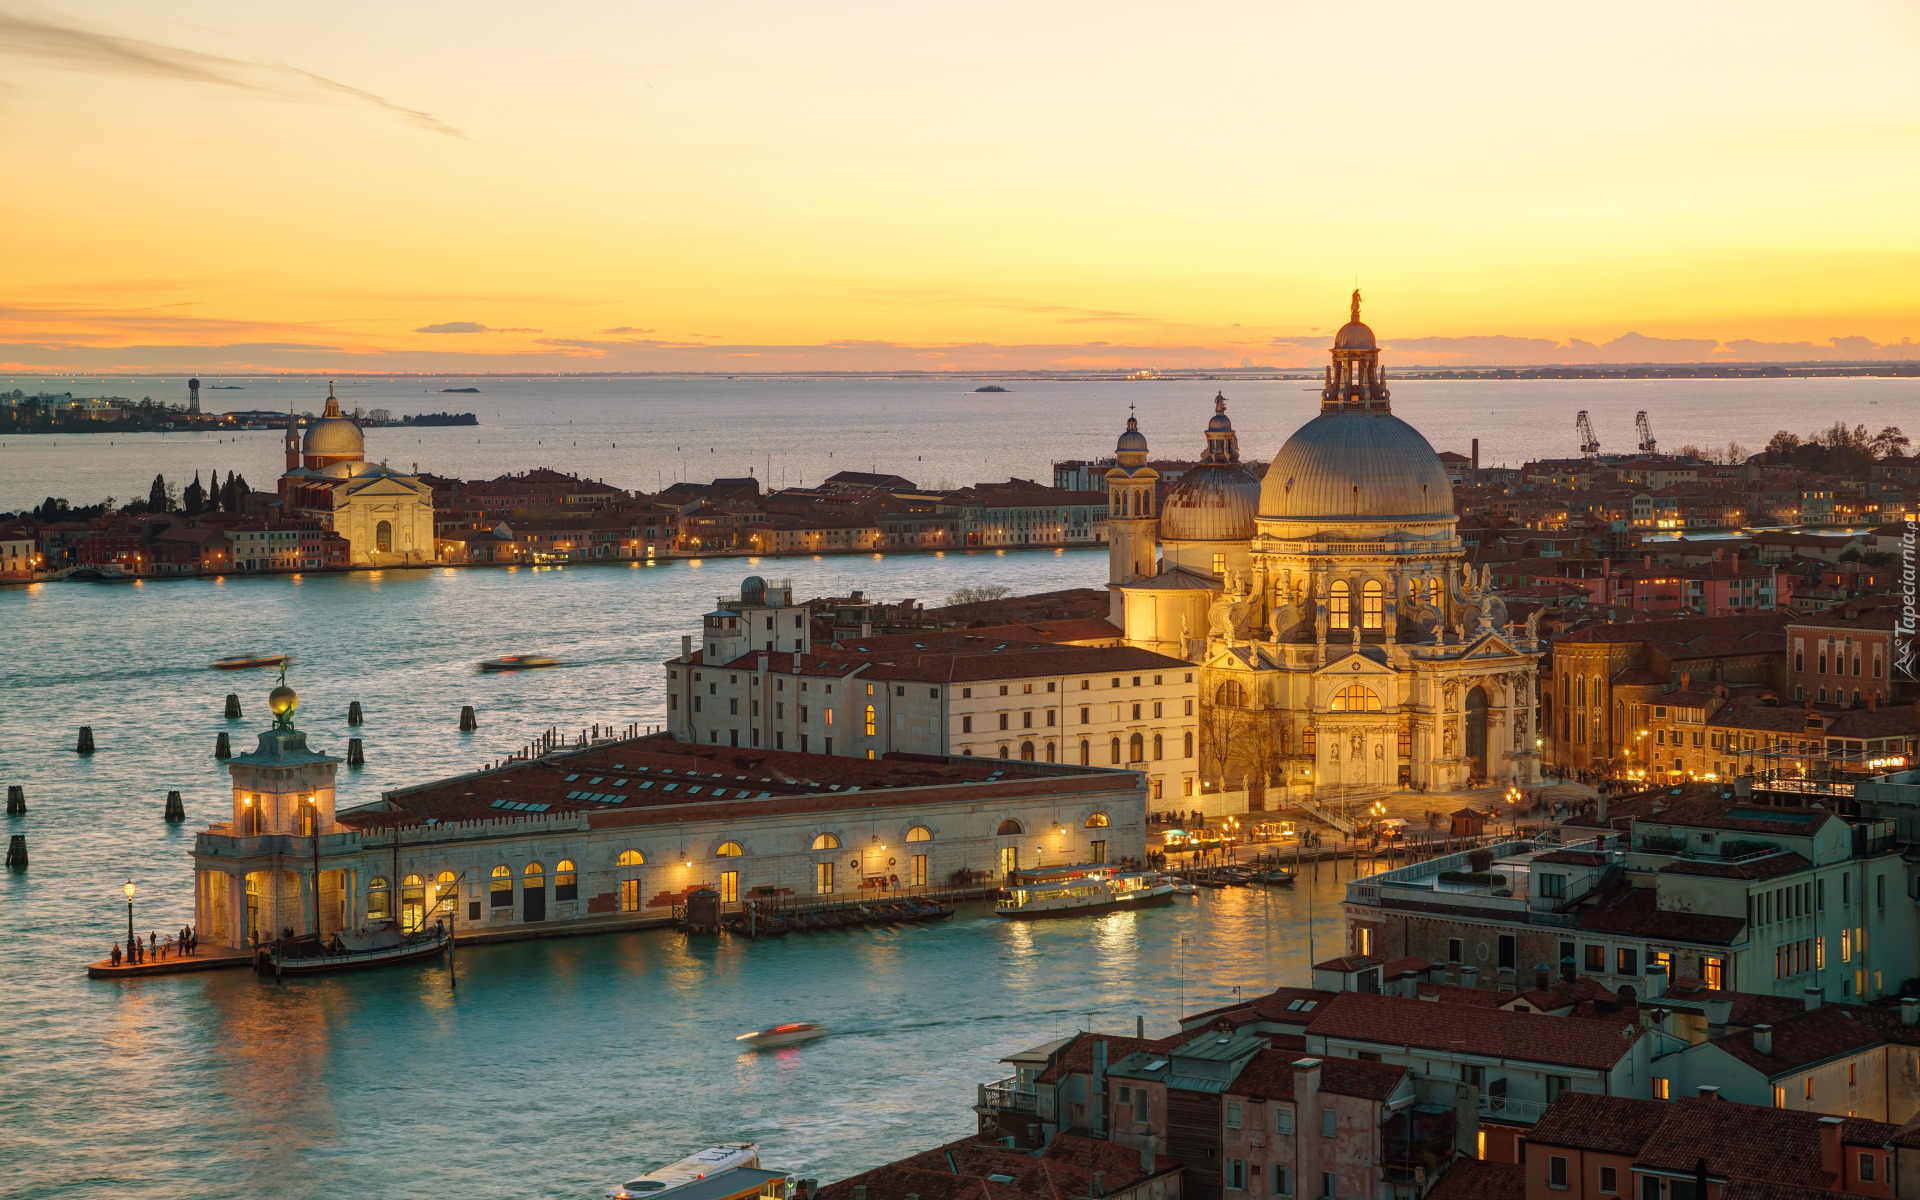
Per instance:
x=241, y=662
x=680, y=1174
x=781, y=1035
x=519, y=662
x=1079, y=890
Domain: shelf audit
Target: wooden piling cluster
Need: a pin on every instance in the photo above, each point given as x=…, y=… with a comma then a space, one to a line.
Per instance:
x=356, y=753
x=85, y=744
x=222, y=748
x=176, y=808
x=468, y=722
x=16, y=800
x=17, y=852
x=353, y=713
x=233, y=706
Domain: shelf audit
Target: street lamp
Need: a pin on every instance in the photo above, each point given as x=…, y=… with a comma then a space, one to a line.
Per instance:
x=129, y=891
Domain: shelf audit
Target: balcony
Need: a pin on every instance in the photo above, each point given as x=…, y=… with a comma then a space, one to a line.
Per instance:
x=1506, y=1108
x=1007, y=1094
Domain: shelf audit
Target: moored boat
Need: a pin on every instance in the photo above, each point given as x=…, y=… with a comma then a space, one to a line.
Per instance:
x=382, y=947
x=679, y=1174
x=519, y=662
x=1080, y=890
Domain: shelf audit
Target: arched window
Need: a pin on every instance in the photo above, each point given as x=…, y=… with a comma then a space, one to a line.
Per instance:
x=566, y=884
x=1580, y=691
x=446, y=880
x=1186, y=745
x=1003, y=752
x=413, y=903
x=533, y=871
x=1356, y=697
x=1308, y=738
x=1433, y=592
x=1156, y=748
x=1026, y=751
x=1010, y=827
x=1050, y=752
x=1231, y=695
x=1339, y=615
x=919, y=833
x=1136, y=749
x=728, y=850
x=1116, y=751
x=1372, y=607
x=383, y=537
x=1086, y=753
x=632, y=858
x=1097, y=821
x=379, y=898
x=826, y=841
x=869, y=720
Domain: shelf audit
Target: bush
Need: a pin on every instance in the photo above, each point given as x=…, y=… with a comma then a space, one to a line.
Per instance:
x=1480, y=860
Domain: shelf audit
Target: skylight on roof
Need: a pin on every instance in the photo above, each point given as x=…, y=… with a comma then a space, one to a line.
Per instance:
x=569, y=779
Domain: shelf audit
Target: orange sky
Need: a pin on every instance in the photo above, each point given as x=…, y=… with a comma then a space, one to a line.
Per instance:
x=224, y=187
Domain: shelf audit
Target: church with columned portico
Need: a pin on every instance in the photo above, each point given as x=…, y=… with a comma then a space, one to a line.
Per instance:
x=1344, y=642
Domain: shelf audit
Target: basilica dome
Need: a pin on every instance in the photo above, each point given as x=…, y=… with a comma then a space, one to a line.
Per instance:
x=333, y=436
x=1356, y=463
x=1214, y=502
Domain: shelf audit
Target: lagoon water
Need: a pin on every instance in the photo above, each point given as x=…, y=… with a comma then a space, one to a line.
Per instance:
x=556, y=1067
x=644, y=432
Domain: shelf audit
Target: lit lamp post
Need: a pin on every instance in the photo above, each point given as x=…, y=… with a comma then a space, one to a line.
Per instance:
x=129, y=891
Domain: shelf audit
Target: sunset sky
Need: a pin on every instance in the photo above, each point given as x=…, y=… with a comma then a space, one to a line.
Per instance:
x=224, y=187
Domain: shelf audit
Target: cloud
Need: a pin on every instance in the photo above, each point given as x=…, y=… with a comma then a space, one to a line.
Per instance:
x=631, y=329
x=468, y=327
x=82, y=49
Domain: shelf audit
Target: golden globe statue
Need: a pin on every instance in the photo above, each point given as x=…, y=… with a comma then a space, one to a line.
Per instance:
x=283, y=700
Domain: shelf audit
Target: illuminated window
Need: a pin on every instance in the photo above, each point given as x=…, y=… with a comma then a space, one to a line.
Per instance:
x=379, y=899
x=869, y=720
x=919, y=833
x=1098, y=820
x=1219, y=564
x=629, y=895
x=1136, y=749
x=823, y=878
x=1713, y=972
x=1026, y=751
x=1372, y=607
x=728, y=850
x=1356, y=697
x=918, y=878
x=413, y=903
x=632, y=858
x=1338, y=614
x=1009, y=859
x=1433, y=592
x=500, y=888
x=566, y=885
x=534, y=872
x=1308, y=737
x=826, y=841
x=729, y=887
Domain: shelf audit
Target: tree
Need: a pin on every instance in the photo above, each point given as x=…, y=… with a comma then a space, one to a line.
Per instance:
x=979, y=594
x=1736, y=454
x=1890, y=442
x=237, y=483
x=1780, y=447
x=194, y=498
x=157, y=495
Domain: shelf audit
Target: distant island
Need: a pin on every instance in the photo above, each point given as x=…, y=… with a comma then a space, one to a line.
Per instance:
x=441, y=418
x=225, y=387
x=459, y=390
x=992, y=387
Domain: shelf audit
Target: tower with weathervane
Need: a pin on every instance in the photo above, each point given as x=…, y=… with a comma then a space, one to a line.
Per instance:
x=257, y=876
x=1132, y=548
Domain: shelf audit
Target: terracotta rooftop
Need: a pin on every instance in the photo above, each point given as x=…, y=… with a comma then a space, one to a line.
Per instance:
x=1635, y=912
x=1754, y=868
x=1479, y=1179
x=1813, y=1036
x=654, y=780
x=1566, y=1041
x=1601, y=1124
x=1738, y=1141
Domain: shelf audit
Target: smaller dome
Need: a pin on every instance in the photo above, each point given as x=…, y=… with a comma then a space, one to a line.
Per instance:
x=1215, y=502
x=1132, y=439
x=1354, y=335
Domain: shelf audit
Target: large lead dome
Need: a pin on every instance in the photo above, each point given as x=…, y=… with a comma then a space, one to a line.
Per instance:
x=333, y=436
x=1218, y=500
x=1356, y=460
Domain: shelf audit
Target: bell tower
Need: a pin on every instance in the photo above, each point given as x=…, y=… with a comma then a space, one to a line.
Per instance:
x=292, y=442
x=1355, y=378
x=1133, y=520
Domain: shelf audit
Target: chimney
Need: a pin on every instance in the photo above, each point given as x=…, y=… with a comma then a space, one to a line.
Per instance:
x=1147, y=1163
x=1140, y=1028
x=1469, y=977
x=1476, y=459
x=1566, y=968
x=1717, y=1012
x=1097, y=1099
x=1099, y=1184
x=1600, y=808
x=1436, y=974
x=1743, y=786
x=1830, y=1144
x=859, y=1191
x=1763, y=1038
x=686, y=647
x=1709, y=1092
x=1542, y=976
x=1646, y=561
x=1909, y=1010
x=1813, y=996
x=1656, y=981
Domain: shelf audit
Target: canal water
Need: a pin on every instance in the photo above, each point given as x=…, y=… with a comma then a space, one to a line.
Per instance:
x=553, y=1068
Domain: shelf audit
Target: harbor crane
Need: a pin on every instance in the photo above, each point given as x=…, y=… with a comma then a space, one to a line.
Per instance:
x=1647, y=444
x=1589, y=444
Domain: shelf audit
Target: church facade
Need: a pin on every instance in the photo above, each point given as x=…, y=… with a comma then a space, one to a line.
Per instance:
x=1343, y=640
x=385, y=515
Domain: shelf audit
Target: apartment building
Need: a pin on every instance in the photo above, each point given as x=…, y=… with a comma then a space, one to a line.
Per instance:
x=1844, y=655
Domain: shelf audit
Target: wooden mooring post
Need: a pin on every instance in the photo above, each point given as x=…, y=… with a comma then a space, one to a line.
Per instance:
x=85, y=745
x=17, y=852
x=233, y=706
x=356, y=753
x=16, y=800
x=176, y=808
x=468, y=722
x=222, y=748
x=353, y=713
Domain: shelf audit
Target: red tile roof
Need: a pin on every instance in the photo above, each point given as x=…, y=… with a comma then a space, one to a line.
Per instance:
x=1755, y=868
x=959, y=1171
x=1635, y=912
x=1601, y=1124
x=1477, y=1179
x=1739, y=1141
x=1394, y=1020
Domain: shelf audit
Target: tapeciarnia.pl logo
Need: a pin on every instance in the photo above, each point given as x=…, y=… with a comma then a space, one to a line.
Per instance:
x=1904, y=648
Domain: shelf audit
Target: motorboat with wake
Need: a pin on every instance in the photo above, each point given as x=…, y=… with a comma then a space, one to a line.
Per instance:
x=241, y=662
x=1080, y=890
x=781, y=1035
x=519, y=662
